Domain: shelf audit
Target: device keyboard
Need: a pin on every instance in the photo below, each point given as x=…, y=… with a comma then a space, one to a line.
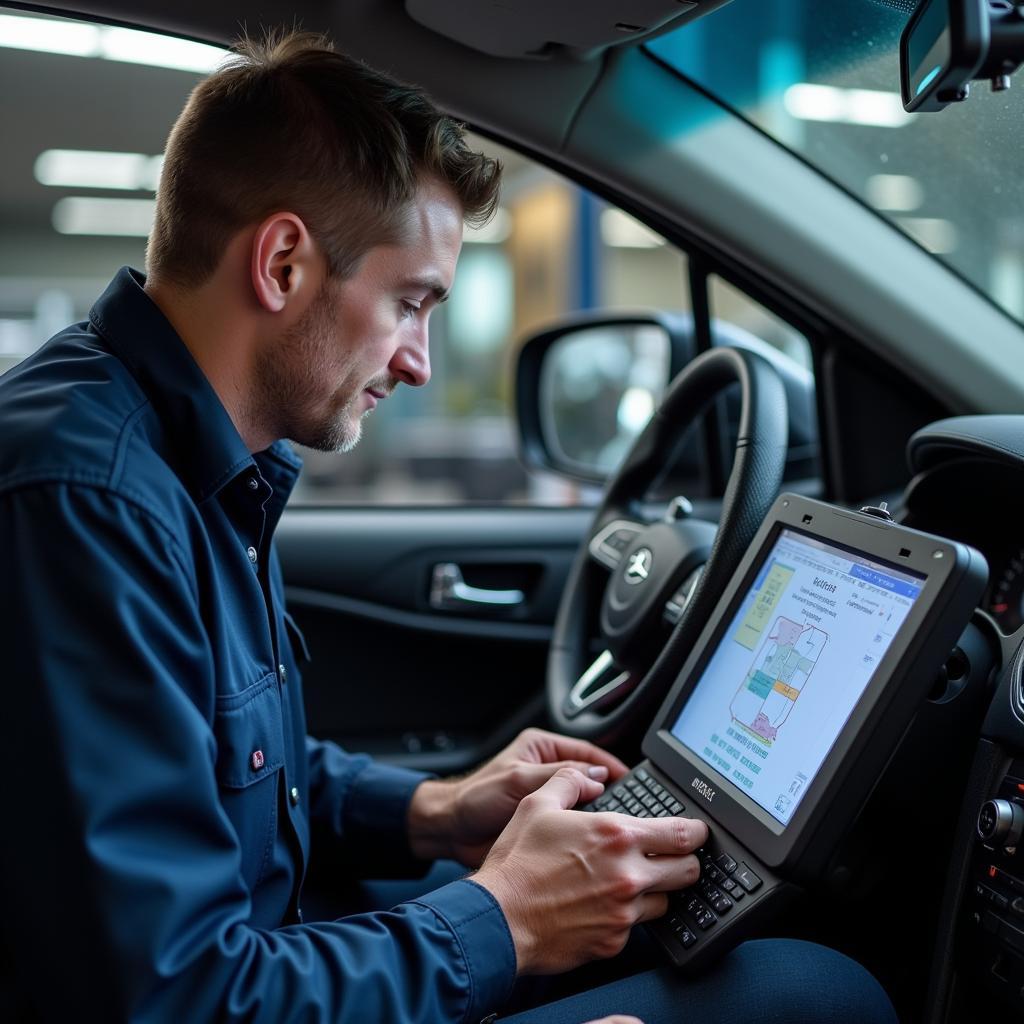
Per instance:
x=727, y=883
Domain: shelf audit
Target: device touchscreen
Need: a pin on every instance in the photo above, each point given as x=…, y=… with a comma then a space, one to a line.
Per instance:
x=791, y=666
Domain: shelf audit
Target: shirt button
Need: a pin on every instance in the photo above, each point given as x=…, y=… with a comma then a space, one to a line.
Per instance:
x=282, y=674
x=252, y=483
x=252, y=555
x=293, y=796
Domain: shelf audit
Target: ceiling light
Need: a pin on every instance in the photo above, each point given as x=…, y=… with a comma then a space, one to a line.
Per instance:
x=935, y=234
x=621, y=231
x=812, y=102
x=894, y=192
x=48, y=35
x=89, y=215
x=86, y=168
x=134, y=47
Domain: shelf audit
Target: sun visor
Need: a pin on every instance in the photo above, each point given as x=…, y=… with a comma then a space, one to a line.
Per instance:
x=544, y=28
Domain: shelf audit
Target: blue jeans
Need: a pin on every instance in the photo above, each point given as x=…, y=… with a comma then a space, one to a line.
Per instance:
x=781, y=980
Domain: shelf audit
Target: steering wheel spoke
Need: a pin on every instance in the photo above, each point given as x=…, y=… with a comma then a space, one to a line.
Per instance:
x=676, y=605
x=608, y=544
x=604, y=683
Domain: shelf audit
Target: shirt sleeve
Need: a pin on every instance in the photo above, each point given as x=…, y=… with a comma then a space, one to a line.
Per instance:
x=122, y=885
x=361, y=808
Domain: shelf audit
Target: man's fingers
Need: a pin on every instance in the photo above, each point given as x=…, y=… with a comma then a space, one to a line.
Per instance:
x=532, y=776
x=652, y=906
x=670, y=835
x=568, y=787
x=552, y=747
x=667, y=874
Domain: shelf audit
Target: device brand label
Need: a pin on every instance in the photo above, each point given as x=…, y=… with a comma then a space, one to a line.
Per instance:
x=703, y=788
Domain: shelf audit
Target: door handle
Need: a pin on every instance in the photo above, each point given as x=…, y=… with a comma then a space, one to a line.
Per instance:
x=449, y=590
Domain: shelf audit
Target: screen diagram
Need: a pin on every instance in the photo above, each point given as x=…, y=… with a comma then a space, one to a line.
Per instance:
x=790, y=667
x=777, y=677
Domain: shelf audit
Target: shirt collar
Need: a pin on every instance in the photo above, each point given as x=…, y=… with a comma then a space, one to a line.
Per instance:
x=208, y=450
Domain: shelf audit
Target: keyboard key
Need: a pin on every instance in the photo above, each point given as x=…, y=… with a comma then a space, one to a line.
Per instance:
x=727, y=864
x=722, y=904
x=686, y=937
x=705, y=921
x=747, y=878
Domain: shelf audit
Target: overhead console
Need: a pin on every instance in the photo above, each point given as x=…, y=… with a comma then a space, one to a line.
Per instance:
x=541, y=29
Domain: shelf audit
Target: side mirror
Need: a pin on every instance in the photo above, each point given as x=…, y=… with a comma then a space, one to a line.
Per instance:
x=587, y=387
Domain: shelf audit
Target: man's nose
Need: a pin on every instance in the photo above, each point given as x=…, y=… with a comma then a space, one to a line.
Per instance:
x=411, y=361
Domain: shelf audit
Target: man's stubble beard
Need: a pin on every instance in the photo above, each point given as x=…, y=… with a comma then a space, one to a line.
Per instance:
x=294, y=369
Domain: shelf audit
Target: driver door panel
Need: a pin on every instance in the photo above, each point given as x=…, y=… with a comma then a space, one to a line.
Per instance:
x=395, y=674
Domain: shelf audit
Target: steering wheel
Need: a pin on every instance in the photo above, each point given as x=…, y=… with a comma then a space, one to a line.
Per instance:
x=661, y=580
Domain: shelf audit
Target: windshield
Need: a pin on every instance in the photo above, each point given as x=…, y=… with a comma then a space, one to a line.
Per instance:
x=823, y=80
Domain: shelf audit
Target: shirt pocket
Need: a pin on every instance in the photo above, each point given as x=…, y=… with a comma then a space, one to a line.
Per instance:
x=250, y=754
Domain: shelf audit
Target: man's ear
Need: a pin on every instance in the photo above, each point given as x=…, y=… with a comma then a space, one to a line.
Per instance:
x=285, y=262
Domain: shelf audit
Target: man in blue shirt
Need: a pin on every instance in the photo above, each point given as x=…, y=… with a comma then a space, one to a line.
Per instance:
x=309, y=219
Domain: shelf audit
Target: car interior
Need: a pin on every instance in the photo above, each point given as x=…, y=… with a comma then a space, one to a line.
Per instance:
x=813, y=293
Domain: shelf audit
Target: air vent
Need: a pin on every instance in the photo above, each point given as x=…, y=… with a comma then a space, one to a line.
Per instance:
x=1017, y=686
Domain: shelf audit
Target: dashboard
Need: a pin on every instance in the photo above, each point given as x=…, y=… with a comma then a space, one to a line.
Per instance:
x=980, y=502
x=970, y=487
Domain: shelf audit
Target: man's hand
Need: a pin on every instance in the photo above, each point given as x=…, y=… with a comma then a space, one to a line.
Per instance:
x=572, y=884
x=461, y=818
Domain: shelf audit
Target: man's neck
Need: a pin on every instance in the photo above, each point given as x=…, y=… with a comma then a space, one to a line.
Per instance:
x=209, y=331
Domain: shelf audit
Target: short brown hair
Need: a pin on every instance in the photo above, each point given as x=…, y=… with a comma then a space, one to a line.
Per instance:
x=288, y=123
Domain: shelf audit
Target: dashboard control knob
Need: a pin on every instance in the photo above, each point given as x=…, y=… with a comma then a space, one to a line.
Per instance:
x=1000, y=823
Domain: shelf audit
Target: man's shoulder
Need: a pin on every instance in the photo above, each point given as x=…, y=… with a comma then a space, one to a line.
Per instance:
x=73, y=413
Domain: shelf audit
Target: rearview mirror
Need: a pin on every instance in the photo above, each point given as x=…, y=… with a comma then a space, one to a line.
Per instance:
x=947, y=44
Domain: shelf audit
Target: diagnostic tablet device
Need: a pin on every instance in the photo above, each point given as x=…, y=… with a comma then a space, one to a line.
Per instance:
x=795, y=696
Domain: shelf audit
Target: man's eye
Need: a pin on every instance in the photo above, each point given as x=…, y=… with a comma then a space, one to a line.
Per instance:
x=409, y=309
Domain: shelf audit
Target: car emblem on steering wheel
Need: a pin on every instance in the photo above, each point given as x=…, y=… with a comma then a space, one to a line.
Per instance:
x=639, y=566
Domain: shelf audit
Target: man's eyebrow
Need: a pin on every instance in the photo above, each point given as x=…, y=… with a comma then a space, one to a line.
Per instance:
x=431, y=285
